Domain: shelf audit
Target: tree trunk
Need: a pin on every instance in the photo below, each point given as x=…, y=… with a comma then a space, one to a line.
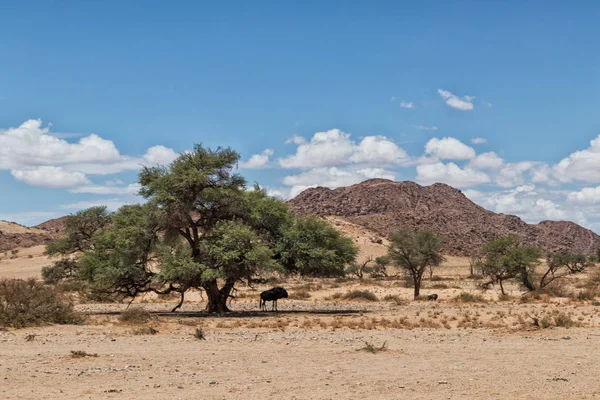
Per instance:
x=178, y=306
x=501, y=287
x=217, y=298
x=417, y=283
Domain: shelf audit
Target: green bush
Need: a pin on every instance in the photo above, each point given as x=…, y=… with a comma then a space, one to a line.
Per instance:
x=31, y=303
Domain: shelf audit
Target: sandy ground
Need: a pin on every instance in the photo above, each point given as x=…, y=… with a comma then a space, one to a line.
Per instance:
x=312, y=348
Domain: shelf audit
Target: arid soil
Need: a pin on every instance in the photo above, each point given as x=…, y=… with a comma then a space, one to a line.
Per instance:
x=468, y=344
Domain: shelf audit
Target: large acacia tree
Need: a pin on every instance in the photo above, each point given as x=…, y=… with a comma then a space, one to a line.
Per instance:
x=203, y=228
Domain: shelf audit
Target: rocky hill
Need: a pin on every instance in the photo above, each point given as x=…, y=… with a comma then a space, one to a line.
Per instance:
x=384, y=206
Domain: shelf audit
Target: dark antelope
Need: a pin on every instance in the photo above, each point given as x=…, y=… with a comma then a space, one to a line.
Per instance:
x=272, y=295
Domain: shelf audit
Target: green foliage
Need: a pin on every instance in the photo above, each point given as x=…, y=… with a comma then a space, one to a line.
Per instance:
x=312, y=247
x=562, y=264
x=505, y=258
x=200, y=228
x=59, y=270
x=414, y=252
x=30, y=303
x=79, y=231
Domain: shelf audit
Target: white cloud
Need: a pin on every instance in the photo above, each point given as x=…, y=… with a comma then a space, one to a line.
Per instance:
x=159, y=155
x=588, y=195
x=523, y=201
x=511, y=174
x=29, y=147
x=478, y=140
x=581, y=165
x=112, y=204
x=489, y=160
x=425, y=128
x=405, y=104
x=296, y=140
x=257, y=161
x=449, y=148
x=51, y=177
x=465, y=103
x=450, y=174
x=107, y=189
x=335, y=147
x=378, y=149
x=333, y=177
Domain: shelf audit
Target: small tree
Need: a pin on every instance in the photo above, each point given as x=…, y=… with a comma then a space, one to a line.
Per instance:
x=561, y=265
x=505, y=258
x=474, y=259
x=414, y=252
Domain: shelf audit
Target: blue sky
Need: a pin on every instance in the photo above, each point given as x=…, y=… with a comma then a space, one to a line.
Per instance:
x=497, y=98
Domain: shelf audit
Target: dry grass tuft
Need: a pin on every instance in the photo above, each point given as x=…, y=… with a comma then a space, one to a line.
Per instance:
x=135, y=315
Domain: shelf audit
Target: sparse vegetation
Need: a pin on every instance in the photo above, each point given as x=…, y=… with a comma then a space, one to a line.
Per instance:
x=82, y=354
x=30, y=303
x=466, y=297
x=360, y=295
x=145, y=330
x=199, y=334
x=135, y=315
x=371, y=348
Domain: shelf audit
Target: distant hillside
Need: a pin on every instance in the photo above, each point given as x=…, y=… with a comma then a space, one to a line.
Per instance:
x=384, y=206
x=14, y=235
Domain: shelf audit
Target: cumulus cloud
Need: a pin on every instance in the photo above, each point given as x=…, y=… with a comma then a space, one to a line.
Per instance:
x=523, y=201
x=335, y=147
x=49, y=176
x=407, y=104
x=465, y=103
x=581, y=165
x=512, y=174
x=257, y=161
x=450, y=174
x=489, y=160
x=333, y=177
x=588, y=195
x=36, y=157
x=449, y=148
x=478, y=140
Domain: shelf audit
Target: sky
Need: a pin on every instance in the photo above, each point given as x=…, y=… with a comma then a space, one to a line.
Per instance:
x=499, y=99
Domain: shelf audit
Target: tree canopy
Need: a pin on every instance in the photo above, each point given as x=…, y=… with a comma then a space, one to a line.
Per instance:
x=201, y=228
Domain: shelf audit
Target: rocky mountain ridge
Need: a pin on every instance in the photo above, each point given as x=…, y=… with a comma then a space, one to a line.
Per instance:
x=384, y=206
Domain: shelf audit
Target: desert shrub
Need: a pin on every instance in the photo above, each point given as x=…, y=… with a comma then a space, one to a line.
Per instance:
x=558, y=288
x=361, y=295
x=588, y=294
x=300, y=295
x=563, y=320
x=466, y=297
x=395, y=299
x=145, y=330
x=82, y=354
x=504, y=297
x=371, y=348
x=199, y=334
x=135, y=315
x=335, y=296
x=31, y=303
x=440, y=286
